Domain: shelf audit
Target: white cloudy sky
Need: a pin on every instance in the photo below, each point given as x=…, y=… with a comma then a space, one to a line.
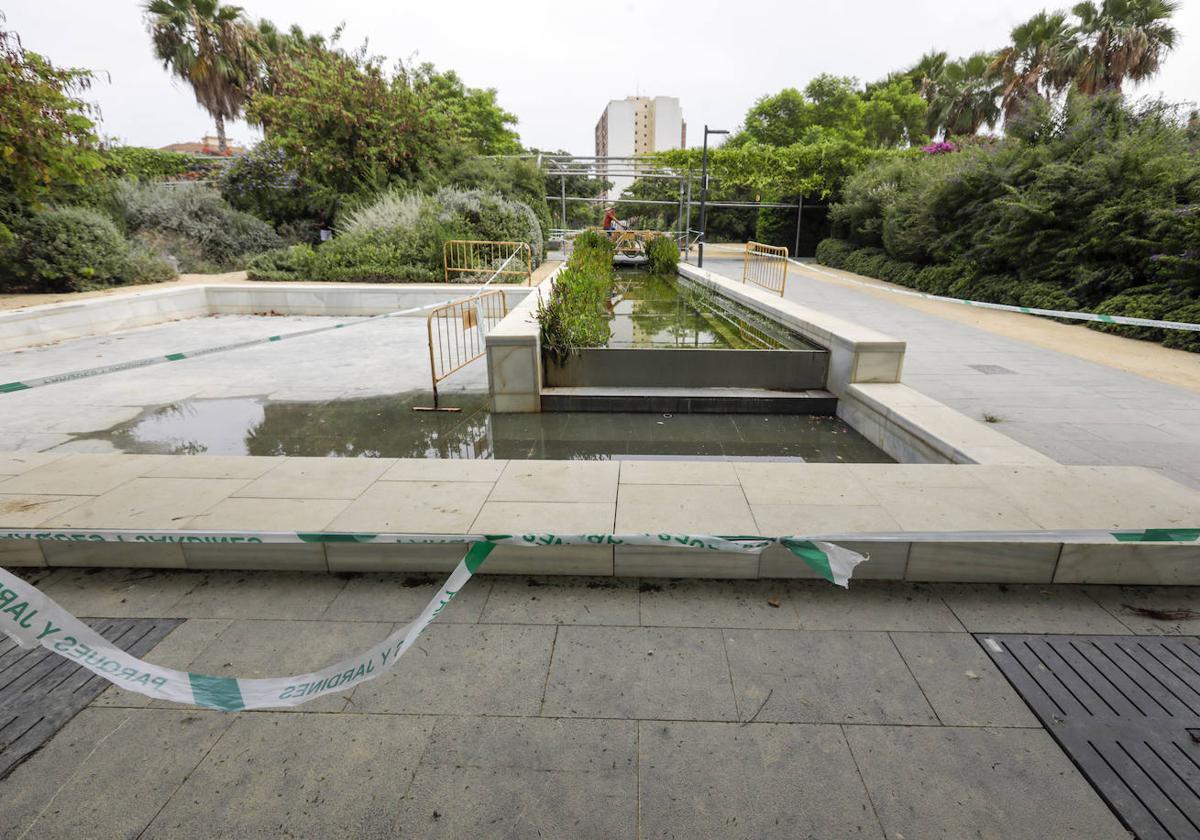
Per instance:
x=556, y=64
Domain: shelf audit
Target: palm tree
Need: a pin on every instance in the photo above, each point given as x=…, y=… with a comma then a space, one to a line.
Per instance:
x=1033, y=65
x=1120, y=40
x=211, y=47
x=964, y=96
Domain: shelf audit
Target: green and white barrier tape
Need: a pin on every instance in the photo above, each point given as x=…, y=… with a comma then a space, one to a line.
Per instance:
x=32, y=619
x=1124, y=320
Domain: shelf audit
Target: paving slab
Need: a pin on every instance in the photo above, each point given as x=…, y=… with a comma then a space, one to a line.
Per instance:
x=1013, y=608
x=429, y=507
x=150, y=503
x=27, y=510
x=69, y=789
x=465, y=669
x=954, y=783
x=399, y=598
x=684, y=509
x=82, y=475
x=764, y=780
x=557, y=481
x=118, y=593
x=872, y=605
x=517, y=599
x=804, y=676
x=639, y=672
x=525, y=777
x=318, y=478
x=707, y=603
x=960, y=681
x=269, y=515
x=299, y=775
x=279, y=595
x=1152, y=610
x=278, y=648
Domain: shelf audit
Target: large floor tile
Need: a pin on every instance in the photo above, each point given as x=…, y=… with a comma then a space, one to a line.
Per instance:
x=517, y=599
x=276, y=775
x=417, y=507
x=941, y=782
x=525, y=777
x=1152, y=610
x=118, y=593
x=1007, y=608
x=83, y=475
x=765, y=780
x=159, y=503
x=921, y=508
x=67, y=790
x=269, y=515
x=708, y=603
x=280, y=595
x=27, y=510
x=960, y=681
x=823, y=677
x=400, y=598
x=684, y=509
x=255, y=649
x=639, y=672
x=871, y=605
x=318, y=478
x=465, y=669
x=802, y=484
x=181, y=647
x=557, y=481
x=544, y=518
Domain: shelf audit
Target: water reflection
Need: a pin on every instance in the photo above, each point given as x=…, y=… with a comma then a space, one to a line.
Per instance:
x=387, y=427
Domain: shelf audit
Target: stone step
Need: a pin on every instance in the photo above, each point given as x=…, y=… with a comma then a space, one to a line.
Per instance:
x=690, y=400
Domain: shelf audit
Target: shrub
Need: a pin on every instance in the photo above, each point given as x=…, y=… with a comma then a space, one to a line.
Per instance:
x=1152, y=302
x=1183, y=339
x=576, y=315
x=143, y=164
x=594, y=239
x=662, y=255
x=145, y=265
x=70, y=249
x=262, y=183
x=225, y=237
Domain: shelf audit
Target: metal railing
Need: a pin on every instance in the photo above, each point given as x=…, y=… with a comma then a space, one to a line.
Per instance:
x=631, y=243
x=458, y=332
x=766, y=266
x=463, y=259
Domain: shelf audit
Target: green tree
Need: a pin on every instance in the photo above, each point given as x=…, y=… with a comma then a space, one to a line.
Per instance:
x=1121, y=40
x=473, y=112
x=1034, y=64
x=893, y=115
x=47, y=137
x=345, y=125
x=964, y=97
x=211, y=47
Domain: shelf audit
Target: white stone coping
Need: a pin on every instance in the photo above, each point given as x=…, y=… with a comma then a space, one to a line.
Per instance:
x=145, y=307
x=915, y=428
x=44, y=491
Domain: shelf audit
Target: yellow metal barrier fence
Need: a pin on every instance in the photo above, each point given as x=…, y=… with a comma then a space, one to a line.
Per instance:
x=466, y=258
x=458, y=332
x=766, y=266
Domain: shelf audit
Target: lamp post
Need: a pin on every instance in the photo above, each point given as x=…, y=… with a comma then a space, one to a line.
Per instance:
x=704, y=192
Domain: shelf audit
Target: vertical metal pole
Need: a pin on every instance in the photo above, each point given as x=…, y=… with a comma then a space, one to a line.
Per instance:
x=799, y=215
x=679, y=217
x=563, y=183
x=687, y=225
x=703, y=198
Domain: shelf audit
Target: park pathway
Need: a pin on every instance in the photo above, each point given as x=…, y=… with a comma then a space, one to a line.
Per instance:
x=1073, y=410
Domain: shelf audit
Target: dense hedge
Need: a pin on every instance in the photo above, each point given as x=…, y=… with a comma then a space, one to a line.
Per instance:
x=576, y=316
x=398, y=238
x=1096, y=209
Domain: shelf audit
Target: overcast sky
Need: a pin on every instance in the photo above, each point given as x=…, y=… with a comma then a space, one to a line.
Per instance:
x=557, y=64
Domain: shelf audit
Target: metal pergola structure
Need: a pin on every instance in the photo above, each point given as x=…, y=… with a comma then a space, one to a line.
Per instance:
x=604, y=167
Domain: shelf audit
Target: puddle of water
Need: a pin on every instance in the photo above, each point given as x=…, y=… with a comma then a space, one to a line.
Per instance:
x=387, y=427
x=654, y=311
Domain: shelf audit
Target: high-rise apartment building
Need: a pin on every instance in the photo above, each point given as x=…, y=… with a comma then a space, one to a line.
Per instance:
x=638, y=125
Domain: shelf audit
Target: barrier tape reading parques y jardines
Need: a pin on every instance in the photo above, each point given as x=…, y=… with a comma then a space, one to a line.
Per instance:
x=116, y=367
x=1124, y=320
x=32, y=619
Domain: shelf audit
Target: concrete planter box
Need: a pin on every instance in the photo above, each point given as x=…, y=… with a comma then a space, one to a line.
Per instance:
x=776, y=370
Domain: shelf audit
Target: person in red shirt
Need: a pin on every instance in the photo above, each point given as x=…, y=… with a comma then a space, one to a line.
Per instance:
x=611, y=221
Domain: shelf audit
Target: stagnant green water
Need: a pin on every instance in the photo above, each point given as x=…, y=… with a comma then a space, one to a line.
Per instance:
x=655, y=311
x=382, y=427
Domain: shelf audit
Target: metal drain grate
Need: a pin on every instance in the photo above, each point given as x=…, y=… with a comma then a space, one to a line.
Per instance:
x=992, y=370
x=40, y=691
x=1126, y=709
